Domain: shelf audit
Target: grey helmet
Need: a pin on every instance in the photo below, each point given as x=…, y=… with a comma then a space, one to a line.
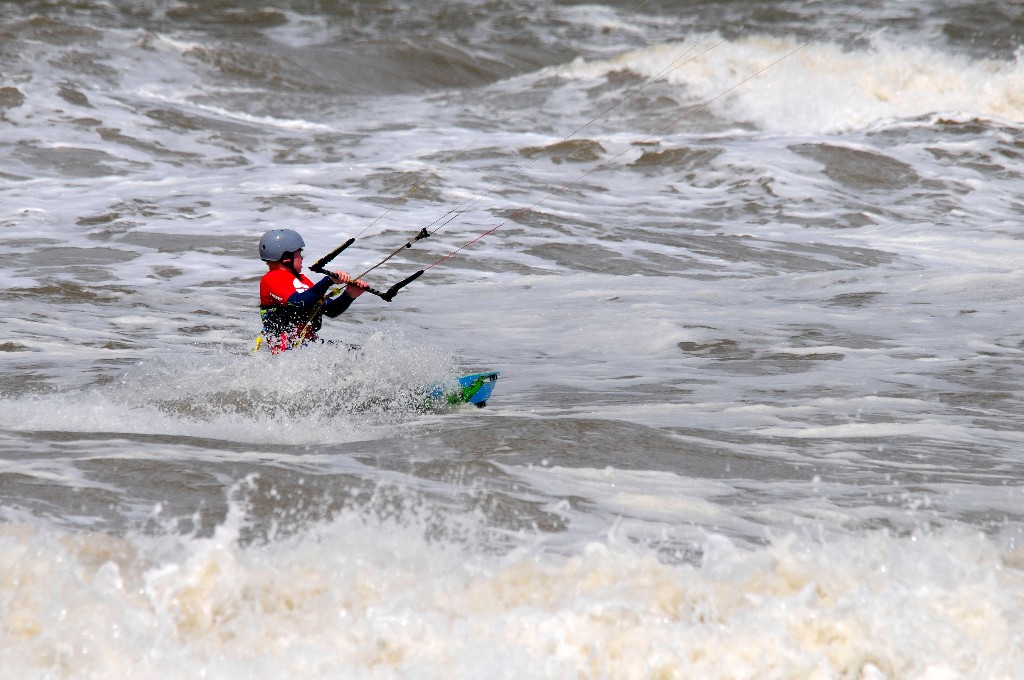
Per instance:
x=276, y=242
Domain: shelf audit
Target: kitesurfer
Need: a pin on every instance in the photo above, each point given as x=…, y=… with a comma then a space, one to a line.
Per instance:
x=291, y=305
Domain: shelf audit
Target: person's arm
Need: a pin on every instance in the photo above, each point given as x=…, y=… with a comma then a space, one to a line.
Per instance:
x=336, y=306
x=308, y=299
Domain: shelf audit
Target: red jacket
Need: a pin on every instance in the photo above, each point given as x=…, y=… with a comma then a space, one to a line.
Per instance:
x=286, y=325
x=292, y=307
x=279, y=284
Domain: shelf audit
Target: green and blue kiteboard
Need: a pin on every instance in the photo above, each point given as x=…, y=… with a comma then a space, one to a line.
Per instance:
x=472, y=388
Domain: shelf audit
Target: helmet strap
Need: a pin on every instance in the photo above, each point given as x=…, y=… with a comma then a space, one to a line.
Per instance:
x=288, y=260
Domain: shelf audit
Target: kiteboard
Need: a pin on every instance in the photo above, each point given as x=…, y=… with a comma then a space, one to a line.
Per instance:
x=472, y=388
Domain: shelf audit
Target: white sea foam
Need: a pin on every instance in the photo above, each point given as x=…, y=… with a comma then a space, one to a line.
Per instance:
x=377, y=599
x=785, y=85
x=252, y=398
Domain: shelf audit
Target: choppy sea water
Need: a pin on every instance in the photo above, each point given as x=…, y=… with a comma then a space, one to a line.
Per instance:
x=750, y=272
